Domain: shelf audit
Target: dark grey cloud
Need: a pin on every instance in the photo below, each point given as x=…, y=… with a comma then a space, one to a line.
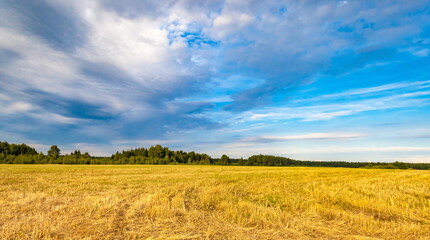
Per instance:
x=72, y=108
x=353, y=60
x=7, y=56
x=56, y=25
x=165, y=119
x=156, y=9
x=261, y=95
x=134, y=9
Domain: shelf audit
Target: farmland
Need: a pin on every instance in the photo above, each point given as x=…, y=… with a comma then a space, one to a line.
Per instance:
x=212, y=202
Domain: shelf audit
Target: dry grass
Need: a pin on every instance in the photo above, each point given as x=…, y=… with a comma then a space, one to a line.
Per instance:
x=212, y=202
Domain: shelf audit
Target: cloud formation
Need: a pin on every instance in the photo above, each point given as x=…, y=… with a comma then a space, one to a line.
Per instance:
x=309, y=136
x=101, y=72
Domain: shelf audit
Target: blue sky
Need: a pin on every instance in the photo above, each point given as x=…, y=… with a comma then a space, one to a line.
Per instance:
x=311, y=80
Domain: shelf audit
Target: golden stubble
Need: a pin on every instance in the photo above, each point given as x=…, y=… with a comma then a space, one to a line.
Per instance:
x=212, y=202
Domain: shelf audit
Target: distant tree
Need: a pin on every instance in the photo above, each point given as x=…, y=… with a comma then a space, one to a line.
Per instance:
x=54, y=151
x=24, y=154
x=240, y=163
x=206, y=160
x=16, y=149
x=400, y=165
x=225, y=160
x=76, y=153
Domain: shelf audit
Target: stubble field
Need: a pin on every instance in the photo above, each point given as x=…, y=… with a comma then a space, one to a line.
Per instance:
x=212, y=202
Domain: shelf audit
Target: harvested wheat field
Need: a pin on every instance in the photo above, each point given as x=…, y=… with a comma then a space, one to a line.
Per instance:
x=212, y=202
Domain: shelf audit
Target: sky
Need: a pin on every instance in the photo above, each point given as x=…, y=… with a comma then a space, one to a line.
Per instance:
x=311, y=80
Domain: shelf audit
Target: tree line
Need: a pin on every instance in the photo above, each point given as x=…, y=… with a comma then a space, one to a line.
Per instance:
x=24, y=154
x=268, y=160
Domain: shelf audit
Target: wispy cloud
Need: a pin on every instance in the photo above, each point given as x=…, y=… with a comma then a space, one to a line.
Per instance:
x=352, y=106
x=103, y=73
x=308, y=136
x=117, y=73
x=408, y=86
x=343, y=149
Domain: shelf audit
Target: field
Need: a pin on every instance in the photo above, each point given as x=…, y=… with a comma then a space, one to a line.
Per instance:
x=212, y=202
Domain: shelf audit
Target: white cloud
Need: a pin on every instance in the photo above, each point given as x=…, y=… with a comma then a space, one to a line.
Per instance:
x=17, y=107
x=138, y=46
x=422, y=53
x=317, y=111
x=377, y=89
x=45, y=69
x=57, y=118
x=230, y=22
x=351, y=149
x=327, y=115
x=308, y=136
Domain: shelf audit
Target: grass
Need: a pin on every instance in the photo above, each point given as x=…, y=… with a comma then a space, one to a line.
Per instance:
x=212, y=202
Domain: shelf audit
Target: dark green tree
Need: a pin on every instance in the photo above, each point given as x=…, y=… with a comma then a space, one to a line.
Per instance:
x=54, y=151
x=225, y=160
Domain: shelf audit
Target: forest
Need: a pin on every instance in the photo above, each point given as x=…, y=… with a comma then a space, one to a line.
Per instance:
x=159, y=155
